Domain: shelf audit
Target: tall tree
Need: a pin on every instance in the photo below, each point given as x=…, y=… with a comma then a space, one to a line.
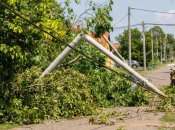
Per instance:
x=136, y=44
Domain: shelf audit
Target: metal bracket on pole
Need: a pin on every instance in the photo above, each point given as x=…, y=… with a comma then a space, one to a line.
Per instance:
x=118, y=54
x=62, y=56
x=149, y=85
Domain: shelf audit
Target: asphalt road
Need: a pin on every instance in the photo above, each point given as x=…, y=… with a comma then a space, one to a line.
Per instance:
x=160, y=77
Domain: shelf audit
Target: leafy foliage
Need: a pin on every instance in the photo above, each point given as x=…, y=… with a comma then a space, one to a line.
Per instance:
x=20, y=42
x=168, y=104
x=137, y=44
x=65, y=93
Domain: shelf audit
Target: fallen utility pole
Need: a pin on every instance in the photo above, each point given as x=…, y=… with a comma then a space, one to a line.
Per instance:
x=62, y=56
x=141, y=79
x=118, y=54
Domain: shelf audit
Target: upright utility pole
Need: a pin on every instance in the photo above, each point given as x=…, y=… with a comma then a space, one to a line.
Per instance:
x=129, y=36
x=166, y=53
x=164, y=49
x=144, y=55
x=171, y=51
x=161, y=48
x=152, y=46
x=157, y=49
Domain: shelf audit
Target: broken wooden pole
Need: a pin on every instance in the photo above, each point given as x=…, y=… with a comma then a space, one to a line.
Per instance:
x=62, y=56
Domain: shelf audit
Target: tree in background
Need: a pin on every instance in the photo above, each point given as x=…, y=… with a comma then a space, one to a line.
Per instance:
x=137, y=44
x=171, y=43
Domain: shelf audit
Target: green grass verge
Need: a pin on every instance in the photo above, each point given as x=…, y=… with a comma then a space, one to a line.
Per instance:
x=8, y=126
x=157, y=67
x=168, y=118
x=122, y=71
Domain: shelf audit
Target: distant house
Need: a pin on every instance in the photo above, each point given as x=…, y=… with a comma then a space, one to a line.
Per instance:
x=109, y=62
x=105, y=44
x=116, y=46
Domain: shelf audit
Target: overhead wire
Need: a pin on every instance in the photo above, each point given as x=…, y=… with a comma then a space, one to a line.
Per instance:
x=121, y=20
x=127, y=26
x=122, y=27
x=152, y=11
x=134, y=19
x=159, y=24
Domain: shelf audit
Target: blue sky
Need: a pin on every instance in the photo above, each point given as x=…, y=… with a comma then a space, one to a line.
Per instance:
x=120, y=9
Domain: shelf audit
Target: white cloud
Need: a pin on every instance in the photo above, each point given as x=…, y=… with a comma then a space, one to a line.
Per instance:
x=163, y=18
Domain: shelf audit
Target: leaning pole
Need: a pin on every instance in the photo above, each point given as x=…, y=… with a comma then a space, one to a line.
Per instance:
x=141, y=79
x=145, y=83
x=62, y=56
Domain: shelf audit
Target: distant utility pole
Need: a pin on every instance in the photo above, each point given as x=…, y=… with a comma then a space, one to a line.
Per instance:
x=157, y=49
x=164, y=49
x=166, y=52
x=152, y=46
x=171, y=51
x=129, y=36
x=161, y=48
x=144, y=54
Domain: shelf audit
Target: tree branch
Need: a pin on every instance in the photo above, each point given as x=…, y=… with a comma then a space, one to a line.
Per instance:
x=72, y=61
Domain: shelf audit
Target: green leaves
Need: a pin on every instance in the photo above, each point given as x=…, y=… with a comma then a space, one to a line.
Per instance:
x=78, y=1
x=66, y=93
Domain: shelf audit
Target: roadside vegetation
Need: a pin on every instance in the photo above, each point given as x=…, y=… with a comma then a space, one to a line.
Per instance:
x=72, y=90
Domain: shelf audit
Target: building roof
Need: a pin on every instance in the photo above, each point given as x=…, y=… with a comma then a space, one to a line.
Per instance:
x=116, y=45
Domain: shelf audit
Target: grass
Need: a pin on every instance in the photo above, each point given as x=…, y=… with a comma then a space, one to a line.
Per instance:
x=168, y=118
x=122, y=71
x=8, y=126
x=157, y=67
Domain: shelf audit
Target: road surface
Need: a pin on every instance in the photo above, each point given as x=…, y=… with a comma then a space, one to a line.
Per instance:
x=161, y=76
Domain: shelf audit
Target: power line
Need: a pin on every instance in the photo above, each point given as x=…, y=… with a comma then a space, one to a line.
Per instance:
x=145, y=24
x=134, y=18
x=121, y=20
x=152, y=11
x=127, y=26
x=160, y=24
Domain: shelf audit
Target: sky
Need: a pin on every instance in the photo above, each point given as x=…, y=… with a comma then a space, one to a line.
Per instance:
x=120, y=9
